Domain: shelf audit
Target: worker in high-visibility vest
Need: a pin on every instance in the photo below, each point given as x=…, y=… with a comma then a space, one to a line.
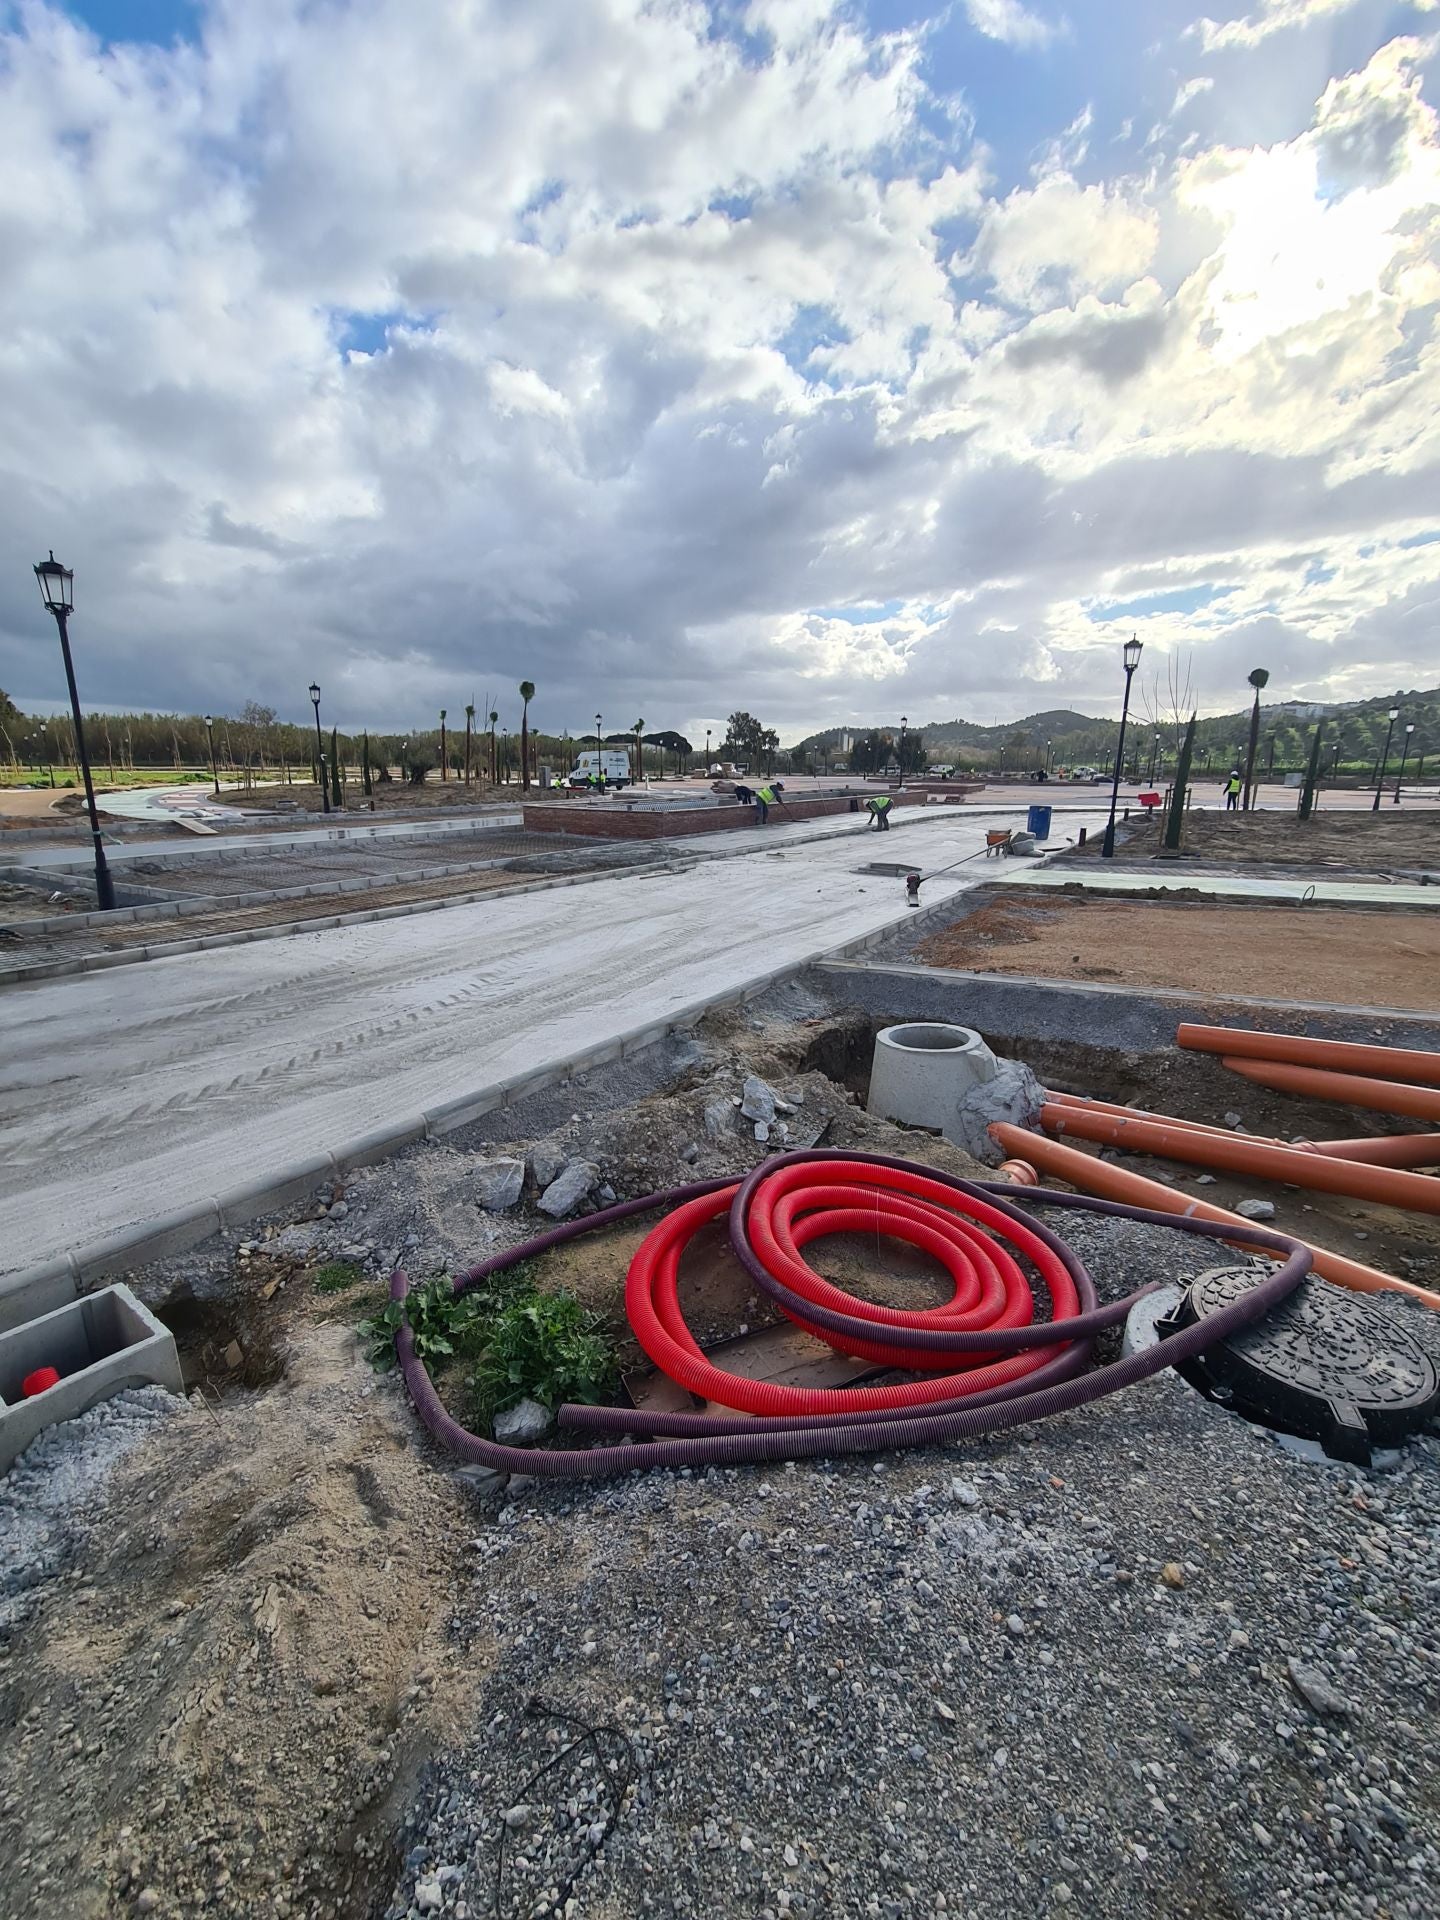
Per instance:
x=1232, y=791
x=878, y=807
x=765, y=798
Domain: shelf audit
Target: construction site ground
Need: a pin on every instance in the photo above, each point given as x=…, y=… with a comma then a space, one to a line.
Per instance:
x=269, y=1652
x=1336, y=954
x=1356, y=840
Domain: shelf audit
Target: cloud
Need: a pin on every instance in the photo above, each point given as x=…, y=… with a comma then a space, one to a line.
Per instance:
x=1278, y=16
x=1013, y=24
x=678, y=358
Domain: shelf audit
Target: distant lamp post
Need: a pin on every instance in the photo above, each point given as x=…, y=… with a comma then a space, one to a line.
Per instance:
x=214, y=767
x=505, y=752
x=1384, y=759
x=444, y=770
x=1404, y=756
x=900, y=750
x=320, y=749
x=599, y=753
x=1154, y=756
x=1133, y=649
x=707, y=749
x=57, y=590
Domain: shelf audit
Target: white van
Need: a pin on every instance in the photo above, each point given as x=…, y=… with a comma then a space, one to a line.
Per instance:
x=613, y=762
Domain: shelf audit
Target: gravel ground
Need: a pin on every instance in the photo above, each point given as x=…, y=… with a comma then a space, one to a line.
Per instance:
x=57, y=1483
x=1065, y=1670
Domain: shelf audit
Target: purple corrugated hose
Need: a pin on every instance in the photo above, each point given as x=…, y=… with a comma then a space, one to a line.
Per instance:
x=706, y=1441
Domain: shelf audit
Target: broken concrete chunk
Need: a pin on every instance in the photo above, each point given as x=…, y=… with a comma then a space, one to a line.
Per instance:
x=717, y=1119
x=757, y=1101
x=295, y=1242
x=1315, y=1690
x=1013, y=1095
x=1255, y=1209
x=547, y=1163
x=498, y=1183
x=522, y=1425
x=762, y=1131
x=574, y=1183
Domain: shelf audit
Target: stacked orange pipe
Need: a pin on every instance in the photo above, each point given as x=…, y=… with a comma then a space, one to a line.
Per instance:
x=1342, y=1056
x=1110, y=1182
x=1384, y=1150
x=1241, y=1153
x=1355, y=1090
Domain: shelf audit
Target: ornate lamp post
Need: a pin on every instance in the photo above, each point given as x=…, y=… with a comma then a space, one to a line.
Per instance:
x=214, y=768
x=57, y=590
x=320, y=749
x=1404, y=756
x=1384, y=759
x=1133, y=650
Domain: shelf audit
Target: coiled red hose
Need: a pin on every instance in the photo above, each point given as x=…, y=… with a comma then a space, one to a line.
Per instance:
x=1006, y=1369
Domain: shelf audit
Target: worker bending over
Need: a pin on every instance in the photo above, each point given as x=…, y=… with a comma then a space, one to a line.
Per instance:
x=765, y=798
x=878, y=807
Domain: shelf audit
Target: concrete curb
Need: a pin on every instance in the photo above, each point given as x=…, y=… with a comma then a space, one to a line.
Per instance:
x=56, y=1281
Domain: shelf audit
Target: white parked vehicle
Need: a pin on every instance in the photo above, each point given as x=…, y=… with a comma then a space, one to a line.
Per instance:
x=613, y=762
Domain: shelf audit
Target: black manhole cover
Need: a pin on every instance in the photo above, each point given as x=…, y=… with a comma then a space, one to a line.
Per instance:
x=1327, y=1365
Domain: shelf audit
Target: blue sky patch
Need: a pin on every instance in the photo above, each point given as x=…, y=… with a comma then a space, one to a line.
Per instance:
x=160, y=22
x=1178, y=600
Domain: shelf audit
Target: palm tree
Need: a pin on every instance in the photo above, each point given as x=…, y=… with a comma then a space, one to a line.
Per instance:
x=637, y=730
x=494, y=762
x=527, y=694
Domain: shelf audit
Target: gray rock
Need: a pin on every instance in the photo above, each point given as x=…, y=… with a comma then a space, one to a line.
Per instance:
x=546, y=1162
x=717, y=1120
x=517, y=1817
x=428, y=1897
x=762, y=1131
x=296, y=1241
x=1204, y=1179
x=1255, y=1209
x=1012, y=1094
x=1234, y=1121
x=498, y=1183
x=339, y=1210
x=689, y=1152
x=523, y=1424
x=1315, y=1690
x=575, y=1182
x=757, y=1101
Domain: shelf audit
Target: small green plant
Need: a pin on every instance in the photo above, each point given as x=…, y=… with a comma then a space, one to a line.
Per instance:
x=543, y=1347
x=519, y=1341
x=336, y=1276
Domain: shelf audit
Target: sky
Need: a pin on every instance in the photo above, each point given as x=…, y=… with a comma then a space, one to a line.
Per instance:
x=824, y=359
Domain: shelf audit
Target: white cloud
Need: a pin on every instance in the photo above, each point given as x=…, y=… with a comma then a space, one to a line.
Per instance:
x=1278, y=16
x=1013, y=24
x=679, y=370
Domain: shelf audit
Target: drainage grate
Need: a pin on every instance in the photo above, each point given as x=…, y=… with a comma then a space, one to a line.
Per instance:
x=1327, y=1365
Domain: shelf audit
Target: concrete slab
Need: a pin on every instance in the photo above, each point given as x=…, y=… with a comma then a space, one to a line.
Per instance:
x=100, y=1345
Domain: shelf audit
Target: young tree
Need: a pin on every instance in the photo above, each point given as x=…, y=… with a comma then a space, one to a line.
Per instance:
x=1312, y=775
x=494, y=760
x=337, y=792
x=1174, y=820
x=469, y=736
x=527, y=694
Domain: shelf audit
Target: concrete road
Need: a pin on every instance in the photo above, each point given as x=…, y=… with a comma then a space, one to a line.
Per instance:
x=126, y=1095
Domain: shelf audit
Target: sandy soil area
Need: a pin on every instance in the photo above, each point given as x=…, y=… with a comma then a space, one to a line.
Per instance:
x=1371, y=842
x=1338, y=954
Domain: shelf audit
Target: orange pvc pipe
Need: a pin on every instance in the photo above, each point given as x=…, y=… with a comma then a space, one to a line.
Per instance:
x=1344, y=1056
x=1383, y=1150
x=1110, y=1182
x=1381, y=1096
x=1241, y=1153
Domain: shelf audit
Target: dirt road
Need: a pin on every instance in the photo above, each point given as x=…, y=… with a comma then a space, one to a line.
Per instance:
x=128, y=1094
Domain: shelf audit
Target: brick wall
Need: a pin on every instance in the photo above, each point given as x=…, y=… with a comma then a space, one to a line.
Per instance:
x=612, y=820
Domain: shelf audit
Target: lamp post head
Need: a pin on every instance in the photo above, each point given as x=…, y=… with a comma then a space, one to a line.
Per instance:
x=1133, y=649
x=442, y=716
x=1394, y=714
x=1409, y=727
x=314, y=694
x=57, y=585
x=208, y=721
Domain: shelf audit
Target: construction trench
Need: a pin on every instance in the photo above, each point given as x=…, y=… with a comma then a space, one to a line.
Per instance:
x=293, y=1655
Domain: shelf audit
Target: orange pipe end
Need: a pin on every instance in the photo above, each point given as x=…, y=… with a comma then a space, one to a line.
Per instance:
x=1019, y=1172
x=1355, y=1090
x=1344, y=1056
x=1109, y=1182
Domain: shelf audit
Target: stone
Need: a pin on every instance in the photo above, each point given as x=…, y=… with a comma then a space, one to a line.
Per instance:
x=717, y=1120
x=149, y=1900
x=1012, y=1094
x=1173, y=1574
x=517, y=1817
x=546, y=1163
x=1204, y=1179
x=1255, y=1209
x=428, y=1897
x=690, y=1152
x=498, y=1184
x=762, y=1131
x=1315, y=1690
x=521, y=1425
x=295, y=1242
x=339, y=1210
x=1234, y=1120
x=757, y=1101
x=1015, y=1627
x=574, y=1183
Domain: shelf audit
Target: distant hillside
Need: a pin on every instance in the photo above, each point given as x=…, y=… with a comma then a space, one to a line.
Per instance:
x=1354, y=733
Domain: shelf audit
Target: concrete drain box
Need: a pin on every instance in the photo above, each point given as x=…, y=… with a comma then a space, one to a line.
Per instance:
x=99, y=1345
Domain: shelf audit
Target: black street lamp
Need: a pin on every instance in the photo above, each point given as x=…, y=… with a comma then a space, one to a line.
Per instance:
x=57, y=590
x=1133, y=650
x=1154, y=756
x=599, y=755
x=1404, y=756
x=707, y=750
x=320, y=749
x=900, y=751
x=214, y=769
x=1384, y=759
